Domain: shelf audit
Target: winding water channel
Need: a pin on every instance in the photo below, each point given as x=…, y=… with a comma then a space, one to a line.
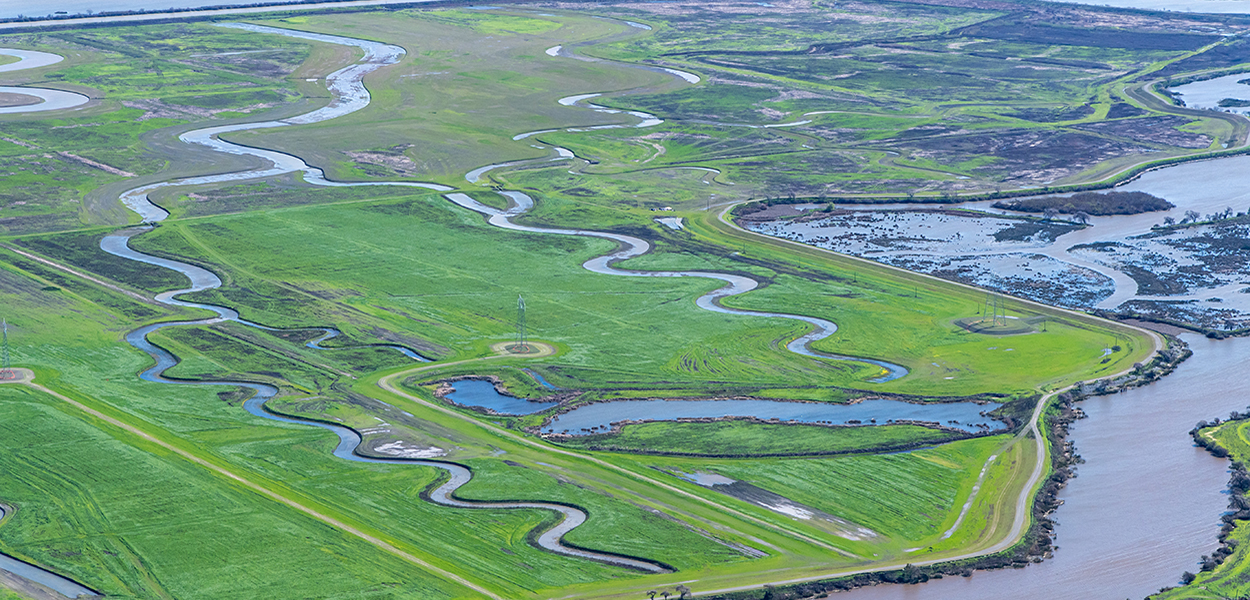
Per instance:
x=630, y=247
x=46, y=99
x=1145, y=506
x=350, y=95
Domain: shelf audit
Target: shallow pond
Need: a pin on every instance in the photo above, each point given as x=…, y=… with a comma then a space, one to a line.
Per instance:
x=481, y=393
x=965, y=416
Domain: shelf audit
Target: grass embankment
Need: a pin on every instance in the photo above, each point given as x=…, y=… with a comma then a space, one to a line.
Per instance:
x=744, y=438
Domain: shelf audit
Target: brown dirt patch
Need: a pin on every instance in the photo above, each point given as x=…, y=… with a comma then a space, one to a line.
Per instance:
x=7, y=100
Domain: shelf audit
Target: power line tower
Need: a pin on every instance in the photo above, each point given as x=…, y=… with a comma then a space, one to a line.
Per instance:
x=6, y=371
x=995, y=309
x=521, y=344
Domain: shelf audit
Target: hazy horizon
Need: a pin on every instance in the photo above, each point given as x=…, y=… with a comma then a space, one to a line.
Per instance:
x=13, y=8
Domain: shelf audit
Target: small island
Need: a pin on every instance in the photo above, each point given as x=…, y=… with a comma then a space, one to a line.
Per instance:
x=1090, y=203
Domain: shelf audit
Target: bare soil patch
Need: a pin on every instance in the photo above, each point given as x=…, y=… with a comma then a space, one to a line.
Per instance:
x=8, y=100
x=1154, y=130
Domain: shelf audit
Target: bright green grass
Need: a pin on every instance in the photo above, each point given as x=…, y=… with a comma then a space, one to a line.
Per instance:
x=466, y=300
x=490, y=23
x=485, y=545
x=744, y=438
x=910, y=497
x=411, y=269
x=134, y=523
x=463, y=301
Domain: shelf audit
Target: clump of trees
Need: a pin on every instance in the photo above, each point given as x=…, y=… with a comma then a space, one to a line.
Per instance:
x=1089, y=203
x=680, y=591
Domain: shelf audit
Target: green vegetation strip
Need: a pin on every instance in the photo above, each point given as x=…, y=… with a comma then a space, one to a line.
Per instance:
x=231, y=475
x=738, y=437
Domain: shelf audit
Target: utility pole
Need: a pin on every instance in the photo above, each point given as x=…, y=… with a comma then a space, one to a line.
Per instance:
x=521, y=345
x=6, y=372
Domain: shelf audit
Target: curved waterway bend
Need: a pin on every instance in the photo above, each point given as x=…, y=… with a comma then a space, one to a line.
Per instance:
x=50, y=99
x=350, y=95
x=65, y=587
x=631, y=247
x=349, y=443
x=1147, y=502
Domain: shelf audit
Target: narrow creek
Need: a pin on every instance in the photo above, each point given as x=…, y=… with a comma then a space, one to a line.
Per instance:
x=350, y=95
x=47, y=99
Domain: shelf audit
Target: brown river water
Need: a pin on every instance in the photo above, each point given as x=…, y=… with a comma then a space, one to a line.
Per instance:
x=1145, y=505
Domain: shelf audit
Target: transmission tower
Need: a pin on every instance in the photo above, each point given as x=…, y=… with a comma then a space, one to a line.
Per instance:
x=6, y=371
x=995, y=309
x=521, y=345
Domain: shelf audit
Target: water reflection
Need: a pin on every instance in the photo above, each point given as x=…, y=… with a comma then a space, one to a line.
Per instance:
x=1146, y=504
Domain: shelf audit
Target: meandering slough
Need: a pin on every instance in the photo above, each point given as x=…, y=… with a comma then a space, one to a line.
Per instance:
x=350, y=95
x=48, y=99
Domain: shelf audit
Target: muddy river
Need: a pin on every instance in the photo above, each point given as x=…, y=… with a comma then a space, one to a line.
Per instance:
x=1144, y=506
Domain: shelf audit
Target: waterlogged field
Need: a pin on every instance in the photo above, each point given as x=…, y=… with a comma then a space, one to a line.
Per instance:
x=791, y=100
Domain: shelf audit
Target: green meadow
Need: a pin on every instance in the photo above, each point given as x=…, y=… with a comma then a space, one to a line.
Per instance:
x=896, y=99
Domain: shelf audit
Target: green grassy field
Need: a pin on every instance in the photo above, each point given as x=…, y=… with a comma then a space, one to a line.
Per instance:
x=134, y=518
x=741, y=438
x=464, y=302
x=150, y=78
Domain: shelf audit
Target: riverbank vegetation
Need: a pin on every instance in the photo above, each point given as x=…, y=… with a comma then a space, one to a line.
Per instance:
x=1090, y=203
x=798, y=108
x=1222, y=574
